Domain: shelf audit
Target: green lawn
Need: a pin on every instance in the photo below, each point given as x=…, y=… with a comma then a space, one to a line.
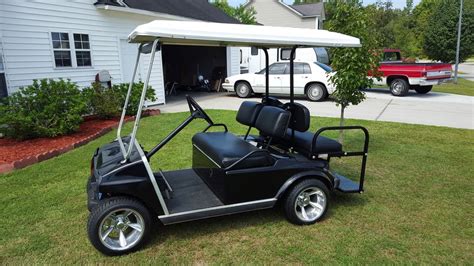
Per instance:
x=464, y=87
x=418, y=207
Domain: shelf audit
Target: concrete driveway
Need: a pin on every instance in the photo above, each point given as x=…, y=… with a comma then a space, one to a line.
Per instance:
x=439, y=109
x=467, y=69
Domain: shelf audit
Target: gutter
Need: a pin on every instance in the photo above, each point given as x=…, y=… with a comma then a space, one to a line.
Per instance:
x=142, y=12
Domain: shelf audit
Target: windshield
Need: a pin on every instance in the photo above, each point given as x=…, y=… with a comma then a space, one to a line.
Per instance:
x=323, y=66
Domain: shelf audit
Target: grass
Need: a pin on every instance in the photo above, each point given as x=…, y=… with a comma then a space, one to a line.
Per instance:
x=417, y=207
x=464, y=87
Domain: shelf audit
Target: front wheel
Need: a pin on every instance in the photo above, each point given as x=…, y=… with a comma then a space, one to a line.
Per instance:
x=119, y=226
x=423, y=89
x=316, y=92
x=307, y=202
x=243, y=89
x=399, y=87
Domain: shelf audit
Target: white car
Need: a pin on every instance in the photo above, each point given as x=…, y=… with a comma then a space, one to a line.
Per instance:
x=311, y=79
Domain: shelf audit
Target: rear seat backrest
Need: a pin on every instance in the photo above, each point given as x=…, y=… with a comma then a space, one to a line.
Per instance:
x=248, y=113
x=300, y=118
x=273, y=121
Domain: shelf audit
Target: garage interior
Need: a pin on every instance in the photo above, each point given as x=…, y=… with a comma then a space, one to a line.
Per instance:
x=182, y=66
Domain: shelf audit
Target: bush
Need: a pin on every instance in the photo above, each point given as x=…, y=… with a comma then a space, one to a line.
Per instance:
x=132, y=107
x=48, y=108
x=102, y=101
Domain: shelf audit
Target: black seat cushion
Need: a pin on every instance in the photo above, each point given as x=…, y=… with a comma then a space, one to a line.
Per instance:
x=303, y=143
x=248, y=113
x=225, y=149
x=273, y=121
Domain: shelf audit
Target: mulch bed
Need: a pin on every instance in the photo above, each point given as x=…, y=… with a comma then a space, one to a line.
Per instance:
x=16, y=154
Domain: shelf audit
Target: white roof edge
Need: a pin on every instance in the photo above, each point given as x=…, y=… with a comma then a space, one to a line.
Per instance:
x=223, y=34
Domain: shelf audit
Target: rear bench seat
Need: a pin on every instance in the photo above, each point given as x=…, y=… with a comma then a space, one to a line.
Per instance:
x=225, y=149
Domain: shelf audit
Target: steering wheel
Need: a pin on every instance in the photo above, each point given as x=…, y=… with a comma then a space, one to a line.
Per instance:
x=194, y=106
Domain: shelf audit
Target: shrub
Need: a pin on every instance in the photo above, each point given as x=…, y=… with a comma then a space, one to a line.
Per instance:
x=48, y=108
x=132, y=107
x=102, y=101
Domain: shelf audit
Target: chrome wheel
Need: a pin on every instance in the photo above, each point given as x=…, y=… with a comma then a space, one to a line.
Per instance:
x=397, y=87
x=121, y=229
x=310, y=204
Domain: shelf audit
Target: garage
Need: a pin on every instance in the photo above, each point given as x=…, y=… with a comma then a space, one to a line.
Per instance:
x=182, y=66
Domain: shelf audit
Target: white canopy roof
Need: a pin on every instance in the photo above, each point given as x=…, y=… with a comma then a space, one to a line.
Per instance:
x=222, y=34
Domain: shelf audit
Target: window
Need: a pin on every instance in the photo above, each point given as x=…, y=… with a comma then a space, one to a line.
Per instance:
x=285, y=54
x=298, y=69
x=254, y=50
x=277, y=69
x=3, y=82
x=83, y=53
x=306, y=69
x=71, y=52
x=391, y=56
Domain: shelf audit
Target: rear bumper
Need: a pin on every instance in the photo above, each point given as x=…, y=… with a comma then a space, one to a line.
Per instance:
x=430, y=82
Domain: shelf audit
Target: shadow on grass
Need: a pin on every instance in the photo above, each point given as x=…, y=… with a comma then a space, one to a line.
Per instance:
x=256, y=219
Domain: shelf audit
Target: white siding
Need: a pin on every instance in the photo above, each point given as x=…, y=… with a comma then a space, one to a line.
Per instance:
x=272, y=13
x=233, y=61
x=26, y=28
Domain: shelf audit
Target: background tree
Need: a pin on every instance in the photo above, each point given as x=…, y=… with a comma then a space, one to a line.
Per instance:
x=300, y=2
x=440, y=36
x=352, y=64
x=244, y=15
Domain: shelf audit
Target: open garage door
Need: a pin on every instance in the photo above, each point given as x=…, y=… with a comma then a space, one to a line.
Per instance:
x=182, y=65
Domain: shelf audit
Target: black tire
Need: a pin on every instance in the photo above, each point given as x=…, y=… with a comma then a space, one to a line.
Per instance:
x=117, y=204
x=292, y=202
x=243, y=89
x=316, y=92
x=399, y=87
x=422, y=89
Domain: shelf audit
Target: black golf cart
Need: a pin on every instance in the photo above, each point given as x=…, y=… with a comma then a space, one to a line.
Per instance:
x=230, y=174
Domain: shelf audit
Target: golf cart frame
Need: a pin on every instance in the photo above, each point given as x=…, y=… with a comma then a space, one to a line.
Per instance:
x=230, y=174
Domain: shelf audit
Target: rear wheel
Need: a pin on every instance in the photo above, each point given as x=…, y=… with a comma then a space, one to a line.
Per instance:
x=422, y=89
x=119, y=225
x=399, y=87
x=307, y=202
x=243, y=89
x=316, y=92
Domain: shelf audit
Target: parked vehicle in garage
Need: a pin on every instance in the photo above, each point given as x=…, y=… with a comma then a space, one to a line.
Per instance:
x=230, y=174
x=311, y=80
x=402, y=77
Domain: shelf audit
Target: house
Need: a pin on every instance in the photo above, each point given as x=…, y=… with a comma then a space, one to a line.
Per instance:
x=75, y=39
x=277, y=13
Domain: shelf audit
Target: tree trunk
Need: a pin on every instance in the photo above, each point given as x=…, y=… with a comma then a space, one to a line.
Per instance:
x=341, y=123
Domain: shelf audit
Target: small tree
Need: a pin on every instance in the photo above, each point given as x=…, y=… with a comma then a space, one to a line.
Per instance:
x=352, y=65
x=440, y=36
x=241, y=13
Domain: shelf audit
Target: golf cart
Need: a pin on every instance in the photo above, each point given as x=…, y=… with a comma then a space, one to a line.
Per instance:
x=285, y=163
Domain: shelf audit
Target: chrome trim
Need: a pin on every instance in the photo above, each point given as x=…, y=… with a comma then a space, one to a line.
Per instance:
x=152, y=178
x=207, y=156
x=219, y=208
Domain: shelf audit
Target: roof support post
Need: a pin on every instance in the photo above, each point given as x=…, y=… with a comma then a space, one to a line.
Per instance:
x=292, y=74
x=142, y=98
x=267, y=75
x=127, y=99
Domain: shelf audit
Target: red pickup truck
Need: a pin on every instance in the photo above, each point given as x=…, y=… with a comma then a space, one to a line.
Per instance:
x=402, y=76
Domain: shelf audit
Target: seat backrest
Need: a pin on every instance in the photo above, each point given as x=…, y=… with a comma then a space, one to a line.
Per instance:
x=248, y=113
x=300, y=117
x=273, y=121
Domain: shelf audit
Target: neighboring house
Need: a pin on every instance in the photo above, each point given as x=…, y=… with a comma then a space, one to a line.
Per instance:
x=75, y=39
x=277, y=13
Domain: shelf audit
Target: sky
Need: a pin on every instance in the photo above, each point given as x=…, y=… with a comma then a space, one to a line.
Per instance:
x=396, y=3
